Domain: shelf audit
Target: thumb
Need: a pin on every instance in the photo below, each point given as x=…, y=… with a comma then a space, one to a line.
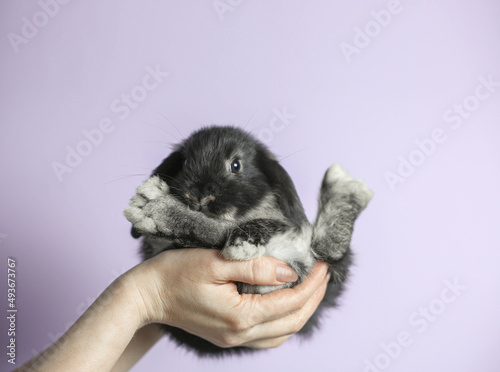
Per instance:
x=259, y=271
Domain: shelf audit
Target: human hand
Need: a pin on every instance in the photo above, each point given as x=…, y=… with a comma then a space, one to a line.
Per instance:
x=193, y=289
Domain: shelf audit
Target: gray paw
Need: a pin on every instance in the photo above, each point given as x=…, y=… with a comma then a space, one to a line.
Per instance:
x=342, y=184
x=243, y=250
x=140, y=208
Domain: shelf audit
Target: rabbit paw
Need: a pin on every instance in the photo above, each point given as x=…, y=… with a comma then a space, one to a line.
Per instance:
x=243, y=250
x=342, y=185
x=248, y=240
x=141, y=207
x=244, y=243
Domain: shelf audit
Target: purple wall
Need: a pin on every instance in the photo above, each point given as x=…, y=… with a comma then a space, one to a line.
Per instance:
x=404, y=94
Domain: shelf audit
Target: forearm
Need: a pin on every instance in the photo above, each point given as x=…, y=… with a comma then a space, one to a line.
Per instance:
x=142, y=341
x=98, y=338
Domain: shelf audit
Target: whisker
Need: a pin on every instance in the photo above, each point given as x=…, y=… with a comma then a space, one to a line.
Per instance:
x=126, y=176
x=165, y=175
x=249, y=120
x=163, y=143
x=293, y=153
x=254, y=130
x=135, y=166
x=172, y=124
x=160, y=128
x=175, y=188
x=221, y=234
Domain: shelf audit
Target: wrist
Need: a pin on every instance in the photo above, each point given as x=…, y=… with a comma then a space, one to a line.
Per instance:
x=124, y=293
x=146, y=294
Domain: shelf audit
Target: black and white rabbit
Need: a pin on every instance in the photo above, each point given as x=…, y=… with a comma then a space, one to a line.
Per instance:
x=222, y=188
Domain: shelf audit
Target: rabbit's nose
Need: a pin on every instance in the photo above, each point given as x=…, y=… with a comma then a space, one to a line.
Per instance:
x=194, y=202
x=206, y=200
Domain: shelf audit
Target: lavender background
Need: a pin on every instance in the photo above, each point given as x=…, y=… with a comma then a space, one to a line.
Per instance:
x=70, y=239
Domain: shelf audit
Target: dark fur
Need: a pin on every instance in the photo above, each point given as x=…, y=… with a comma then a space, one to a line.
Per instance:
x=198, y=167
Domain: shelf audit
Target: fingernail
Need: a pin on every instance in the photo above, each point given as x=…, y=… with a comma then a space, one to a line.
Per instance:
x=328, y=277
x=285, y=274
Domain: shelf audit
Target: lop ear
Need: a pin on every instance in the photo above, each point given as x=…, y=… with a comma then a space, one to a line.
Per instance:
x=283, y=187
x=167, y=170
x=170, y=166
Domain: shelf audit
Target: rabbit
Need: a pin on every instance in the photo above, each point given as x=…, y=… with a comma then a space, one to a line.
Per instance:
x=222, y=188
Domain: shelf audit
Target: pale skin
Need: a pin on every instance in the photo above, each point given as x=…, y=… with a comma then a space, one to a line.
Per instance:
x=192, y=289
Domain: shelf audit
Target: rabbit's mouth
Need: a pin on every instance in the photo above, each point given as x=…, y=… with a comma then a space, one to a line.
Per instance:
x=206, y=211
x=227, y=215
x=210, y=209
x=200, y=205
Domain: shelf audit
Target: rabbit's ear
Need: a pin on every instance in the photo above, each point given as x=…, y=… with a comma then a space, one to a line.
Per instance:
x=170, y=166
x=167, y=170
x=283, y=187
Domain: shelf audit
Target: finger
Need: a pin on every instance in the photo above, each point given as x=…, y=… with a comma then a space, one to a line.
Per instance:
x=288, y=325
x=280, y=303
x=214, y=268
x=259, y=271
x=267, y=343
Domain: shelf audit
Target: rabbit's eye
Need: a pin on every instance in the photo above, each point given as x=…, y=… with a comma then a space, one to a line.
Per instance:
x=235, y=166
